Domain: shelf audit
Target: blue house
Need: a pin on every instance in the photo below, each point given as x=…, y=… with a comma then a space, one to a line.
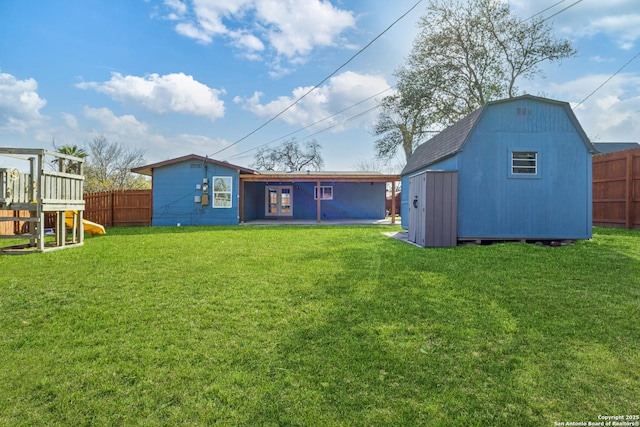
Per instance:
x=523, y=169
x=196, y=190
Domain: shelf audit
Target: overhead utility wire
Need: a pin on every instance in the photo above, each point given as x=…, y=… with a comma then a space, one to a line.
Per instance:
x=312, y=124
x=321, y=83
x=335, y=125
x=242, y=154
x=607, y=81
x=543, y=11
x=562, y=10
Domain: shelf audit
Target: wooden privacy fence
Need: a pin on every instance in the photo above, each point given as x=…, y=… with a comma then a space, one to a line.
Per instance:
x=616, y=189
x=111, y=209
x=119, y=208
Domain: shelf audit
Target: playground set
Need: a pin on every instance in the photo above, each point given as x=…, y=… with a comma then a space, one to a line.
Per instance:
x=40, y=191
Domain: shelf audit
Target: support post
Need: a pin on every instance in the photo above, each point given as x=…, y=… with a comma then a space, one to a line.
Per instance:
x=241, y=201
x=80, y=226
x=39, y=212
x=61, y=229
x=318, y=201
x=393, y=202
x=33, y=197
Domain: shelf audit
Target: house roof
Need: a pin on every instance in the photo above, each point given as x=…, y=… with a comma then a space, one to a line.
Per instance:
x=610, y=147
x=148, y=169
x=272, y=176
x=452, y=139
x=324, y=176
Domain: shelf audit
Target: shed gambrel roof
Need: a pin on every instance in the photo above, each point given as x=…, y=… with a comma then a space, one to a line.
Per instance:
x=148, y=169
x=452, y=139
x=445, y=144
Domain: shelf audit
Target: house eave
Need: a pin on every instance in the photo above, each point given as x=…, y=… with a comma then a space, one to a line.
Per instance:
x=288, y=177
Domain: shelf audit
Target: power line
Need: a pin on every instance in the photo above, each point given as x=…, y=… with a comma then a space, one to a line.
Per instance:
x=560, y=11
x=335, y=125
x=607, y=81
x=321, y=82
x=312, y=124
x=543, y=11
x=243, y=154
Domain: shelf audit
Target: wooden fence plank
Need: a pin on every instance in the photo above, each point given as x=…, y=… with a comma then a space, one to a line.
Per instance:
x=616, y=189
x=110, y=209
x=119, y=208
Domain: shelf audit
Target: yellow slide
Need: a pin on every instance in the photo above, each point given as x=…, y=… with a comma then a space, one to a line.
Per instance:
x=89, y=227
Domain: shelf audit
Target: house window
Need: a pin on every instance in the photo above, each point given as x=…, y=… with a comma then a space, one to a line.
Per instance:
x=524, y=163
x=324, y=192
x=222, y=191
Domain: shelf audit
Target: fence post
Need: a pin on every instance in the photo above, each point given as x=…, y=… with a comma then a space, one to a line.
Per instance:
x=112, y=202
x=629, y=191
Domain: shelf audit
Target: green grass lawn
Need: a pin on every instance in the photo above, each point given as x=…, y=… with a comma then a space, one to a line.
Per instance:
x=307, y=326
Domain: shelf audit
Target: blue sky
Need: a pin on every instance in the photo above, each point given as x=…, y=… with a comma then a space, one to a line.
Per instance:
x=176, y=77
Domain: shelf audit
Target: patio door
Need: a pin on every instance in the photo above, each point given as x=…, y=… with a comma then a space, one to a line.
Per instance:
x=279, y=200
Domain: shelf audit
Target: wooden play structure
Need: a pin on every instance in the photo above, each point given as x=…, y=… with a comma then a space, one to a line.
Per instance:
x=50, y=182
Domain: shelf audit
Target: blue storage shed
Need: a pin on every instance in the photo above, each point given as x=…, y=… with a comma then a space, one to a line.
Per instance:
x=196, y=190
x=523, y=171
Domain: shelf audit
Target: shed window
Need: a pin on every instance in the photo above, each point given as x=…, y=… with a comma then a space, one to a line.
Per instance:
x=323, y=192
x=524, y=163
x=222, y=191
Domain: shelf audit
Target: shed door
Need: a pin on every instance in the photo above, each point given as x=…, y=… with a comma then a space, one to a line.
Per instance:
x=417, y=208
x=441, y=200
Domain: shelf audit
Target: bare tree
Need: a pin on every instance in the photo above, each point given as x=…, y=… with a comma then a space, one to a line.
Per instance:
x=290, y=157
x=109, y=166
x=468, y=52
x=378, y=165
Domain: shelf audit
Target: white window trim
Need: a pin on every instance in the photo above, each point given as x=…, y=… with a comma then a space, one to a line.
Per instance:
x=229, y=192
x=324, y=194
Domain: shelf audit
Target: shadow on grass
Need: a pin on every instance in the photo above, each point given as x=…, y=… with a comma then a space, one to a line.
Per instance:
x=509, y=334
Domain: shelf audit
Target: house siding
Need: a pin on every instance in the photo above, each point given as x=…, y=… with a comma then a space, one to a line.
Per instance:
x=174, y=189
x=363, y=200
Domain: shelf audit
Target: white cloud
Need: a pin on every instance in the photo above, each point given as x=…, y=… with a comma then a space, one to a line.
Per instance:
x=70, y=120
x=128, y=130
x=291, y=28
x=125, y=126
x=196, y=144
x=247, y=41
x=177, y=93
x=179, y=8
x=610, y=114
x=20, y=103
x=615, y=19
x=296, y=27
x=341, y=91
x=188, y=29
x=600, y=59
x=626, y=28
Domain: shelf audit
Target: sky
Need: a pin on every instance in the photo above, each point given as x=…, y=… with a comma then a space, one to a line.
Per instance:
x=208, y=77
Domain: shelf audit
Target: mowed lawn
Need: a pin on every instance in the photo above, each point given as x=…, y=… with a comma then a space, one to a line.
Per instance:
x=318, y=326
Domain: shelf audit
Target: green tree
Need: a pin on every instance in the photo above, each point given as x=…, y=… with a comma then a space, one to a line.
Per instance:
x=68, y=165
x=466, y=54
x=290, y=157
